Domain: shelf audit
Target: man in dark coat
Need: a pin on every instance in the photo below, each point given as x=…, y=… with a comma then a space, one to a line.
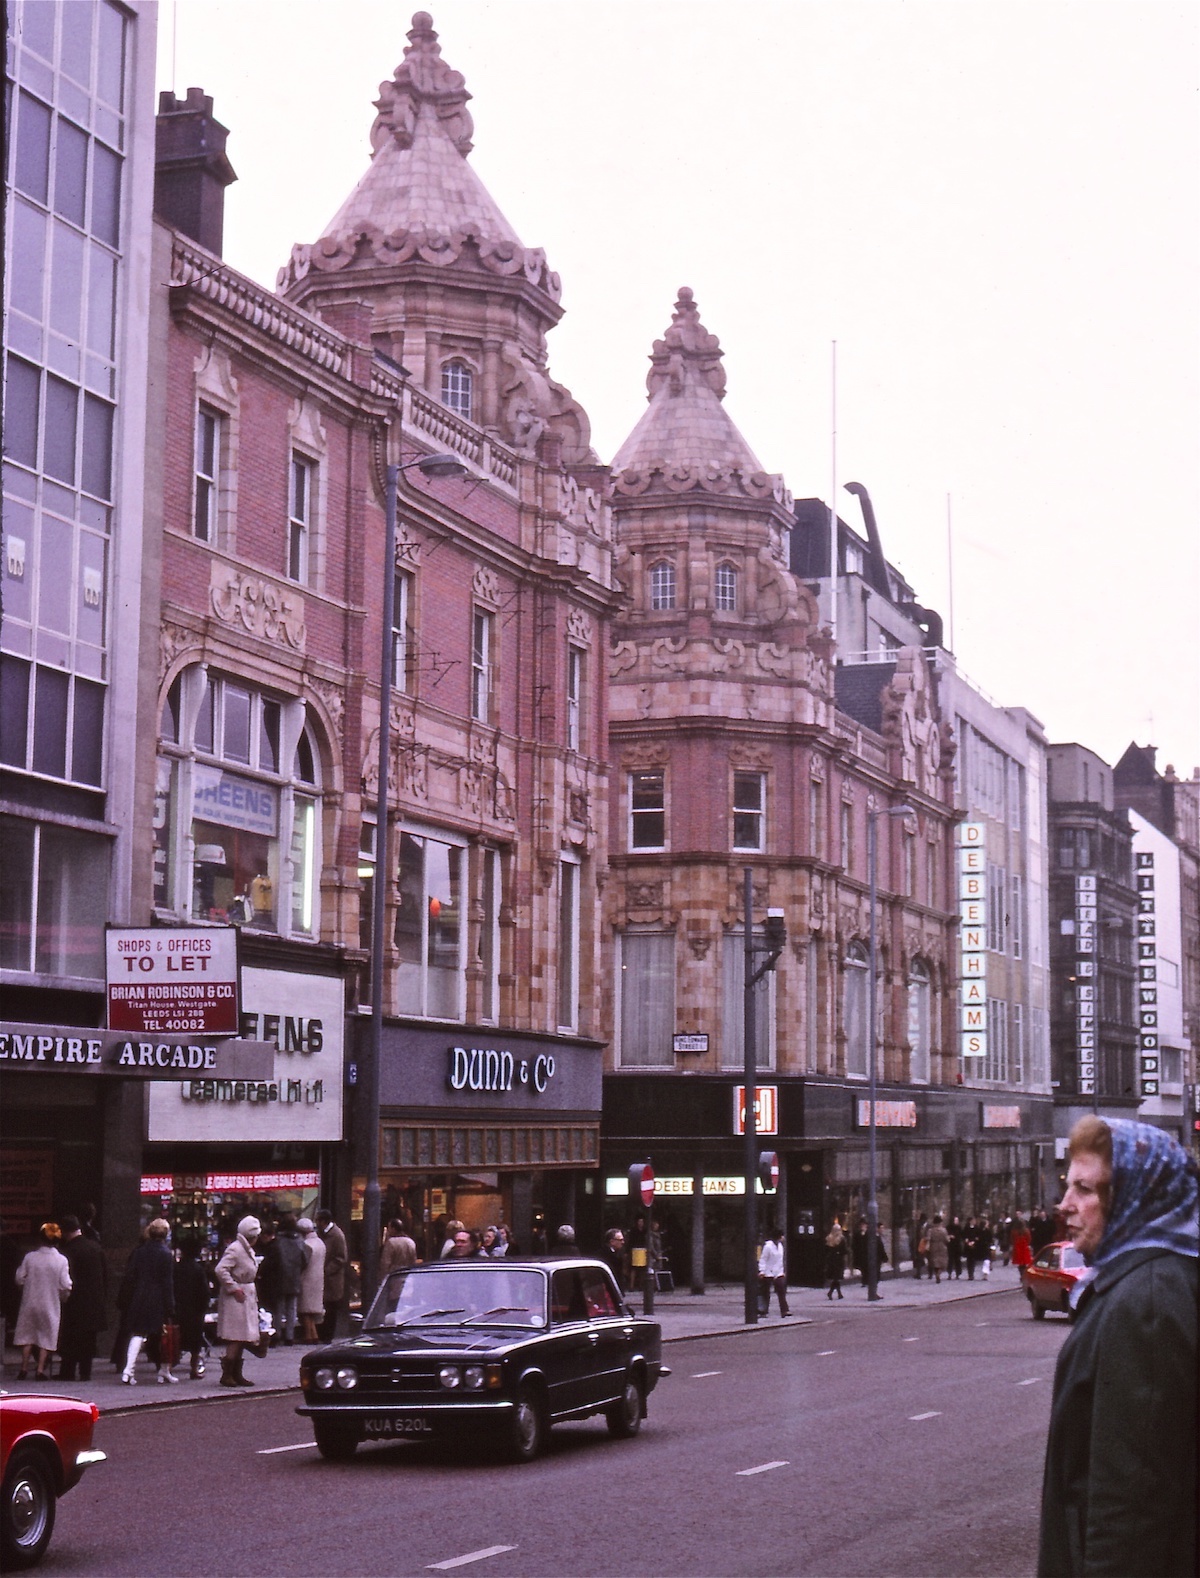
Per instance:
x=1119, y=1492
x=337, y=1261
x=85, y=1314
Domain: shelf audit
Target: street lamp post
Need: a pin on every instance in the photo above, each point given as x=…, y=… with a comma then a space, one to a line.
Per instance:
x=429, y=466
x=872, y=1036
x=772, y=945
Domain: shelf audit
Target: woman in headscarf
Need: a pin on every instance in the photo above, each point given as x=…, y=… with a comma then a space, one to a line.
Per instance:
x=237, y=1300
x=45, y=1282
x=1119, y=1491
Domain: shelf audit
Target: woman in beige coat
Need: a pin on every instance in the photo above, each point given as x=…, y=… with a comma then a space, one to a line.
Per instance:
x=45, y=1282
x=312, y=1283
x=237, y=1300
x=939, y=1248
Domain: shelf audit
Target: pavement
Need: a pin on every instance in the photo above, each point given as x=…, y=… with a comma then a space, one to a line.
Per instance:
x=683, y=1315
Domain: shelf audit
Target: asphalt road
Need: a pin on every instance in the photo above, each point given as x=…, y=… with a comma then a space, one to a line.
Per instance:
x=889, y=1443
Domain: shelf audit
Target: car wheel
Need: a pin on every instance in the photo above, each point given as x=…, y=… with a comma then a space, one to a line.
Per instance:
x=1039, y=1310
x=337, y=1443
x=27, y=1509
x=624, y=1418
x=527, y=1427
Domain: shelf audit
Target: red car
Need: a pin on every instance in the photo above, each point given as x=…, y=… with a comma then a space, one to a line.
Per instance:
x=45, y=1445
x=1049, y=1280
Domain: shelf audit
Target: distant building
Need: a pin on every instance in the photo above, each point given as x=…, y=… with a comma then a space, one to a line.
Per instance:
x=79, y=597
x=1000, y=789
x=1166, y=842
x=1094, y=1031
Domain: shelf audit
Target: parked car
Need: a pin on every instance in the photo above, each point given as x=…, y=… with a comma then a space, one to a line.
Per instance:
x=502, y=1348
x=45, y=1445
x=1049, y=1280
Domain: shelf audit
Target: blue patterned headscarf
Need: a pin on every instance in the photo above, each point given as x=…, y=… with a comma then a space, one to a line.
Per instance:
x=1153, y=1202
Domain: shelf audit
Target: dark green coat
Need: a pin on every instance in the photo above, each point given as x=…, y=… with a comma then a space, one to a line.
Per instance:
x=1119, y=1493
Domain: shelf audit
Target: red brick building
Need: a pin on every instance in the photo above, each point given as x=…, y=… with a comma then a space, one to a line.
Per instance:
x=415, y=325
x=728, y=752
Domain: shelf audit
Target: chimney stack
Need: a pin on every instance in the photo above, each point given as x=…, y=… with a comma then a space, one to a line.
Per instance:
x=191, y=171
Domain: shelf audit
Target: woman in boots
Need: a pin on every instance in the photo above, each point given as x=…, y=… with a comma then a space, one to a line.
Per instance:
x=151, y=1279
x=237, y=1300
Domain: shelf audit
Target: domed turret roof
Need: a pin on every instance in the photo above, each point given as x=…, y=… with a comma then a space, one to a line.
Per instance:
x=419, y=197
x=685, y=428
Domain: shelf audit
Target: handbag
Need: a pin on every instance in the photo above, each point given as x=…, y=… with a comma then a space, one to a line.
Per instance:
x=168, y=1343
x=923, y=1247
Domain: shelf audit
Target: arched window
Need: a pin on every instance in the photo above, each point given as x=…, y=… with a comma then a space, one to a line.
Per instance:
x=237, y=824
x=662, y=584
x=854, y=1014
x=725, y=589
x=458, y=386
x=919, y=1020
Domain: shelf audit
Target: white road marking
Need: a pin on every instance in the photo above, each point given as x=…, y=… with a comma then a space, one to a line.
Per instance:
x=936, y=1414
x=982, y=1323
x=763, y=1468
x=1032, y=1381
x=910, y=1339
x=471, y=1556
x=703, y=1375
x=826, y=1353
x=298, y=1447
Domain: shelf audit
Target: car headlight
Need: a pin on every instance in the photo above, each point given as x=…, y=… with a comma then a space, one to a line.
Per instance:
x=323, y=1379
x=347, y=1378
x=473, y=1377
x=450, y=1376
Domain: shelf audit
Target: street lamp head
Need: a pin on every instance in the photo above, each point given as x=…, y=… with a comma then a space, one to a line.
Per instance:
x=902, y=810
x=438, y=466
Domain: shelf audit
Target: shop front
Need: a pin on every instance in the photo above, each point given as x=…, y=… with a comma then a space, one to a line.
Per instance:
x=956, y=1151
x=484, y=1126
x=217, y=1149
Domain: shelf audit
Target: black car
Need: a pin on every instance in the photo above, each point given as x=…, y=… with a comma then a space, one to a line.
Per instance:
x=506, y=1347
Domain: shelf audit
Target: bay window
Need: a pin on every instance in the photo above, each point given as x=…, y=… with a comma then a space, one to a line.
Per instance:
x=646, y=988
x=237, y=820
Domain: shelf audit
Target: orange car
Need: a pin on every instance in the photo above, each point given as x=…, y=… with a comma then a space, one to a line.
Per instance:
x=1049, y=1280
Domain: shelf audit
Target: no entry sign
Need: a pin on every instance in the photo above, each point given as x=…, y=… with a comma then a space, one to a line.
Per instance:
x=641, y=1183
x=172, y=980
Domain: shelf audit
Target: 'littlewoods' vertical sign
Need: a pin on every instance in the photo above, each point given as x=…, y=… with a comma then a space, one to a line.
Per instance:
x=972, y=905
x=1085, y=983
x=1147, y=973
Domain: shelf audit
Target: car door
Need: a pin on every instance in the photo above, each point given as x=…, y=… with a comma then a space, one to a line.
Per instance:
x=570, y=1362
x=610, y=1332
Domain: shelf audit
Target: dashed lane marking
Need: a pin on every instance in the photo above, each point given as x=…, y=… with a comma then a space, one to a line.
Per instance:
x=471, y=1556
x=1032, y=1381
x=936, y=1414
x=297, y=1447
x=826, y=1353
x=762, y=1468
x=703, y=1375
x=910, y=1339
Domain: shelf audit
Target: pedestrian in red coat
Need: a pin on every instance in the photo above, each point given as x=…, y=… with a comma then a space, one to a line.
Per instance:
x=1021, y=1244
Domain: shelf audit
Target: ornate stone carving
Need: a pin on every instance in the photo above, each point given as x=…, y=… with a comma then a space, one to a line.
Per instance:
x=910, y=722
x=726, y=655
x=750, y=756
x=646, y=754
x=670, y=652
x=622, y=657
x=644, y=895
x=774, y=659
x=579, y=626
x=532, y=403
x=699, y=943
x=422, y=77
x=577, y=807
x=585, y=508
x=333, y=703
x=486, y=585
x=258, y=606
x=172, y=640
x=408, y=549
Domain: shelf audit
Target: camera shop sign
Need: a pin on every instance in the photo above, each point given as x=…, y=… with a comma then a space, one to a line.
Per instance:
x=66, y=1049
x=485, y=1068
x=176, y=980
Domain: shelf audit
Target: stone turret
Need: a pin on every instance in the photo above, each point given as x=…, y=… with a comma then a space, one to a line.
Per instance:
x=456, y=297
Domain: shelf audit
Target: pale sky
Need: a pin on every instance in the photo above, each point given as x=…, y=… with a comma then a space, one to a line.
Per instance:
x=992, y=206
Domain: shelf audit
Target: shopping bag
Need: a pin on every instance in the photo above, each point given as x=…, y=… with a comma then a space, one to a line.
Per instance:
x=168, y=1344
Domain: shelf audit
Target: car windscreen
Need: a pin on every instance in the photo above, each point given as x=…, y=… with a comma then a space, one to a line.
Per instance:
x=1072, y=1260
x=459, y=1295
